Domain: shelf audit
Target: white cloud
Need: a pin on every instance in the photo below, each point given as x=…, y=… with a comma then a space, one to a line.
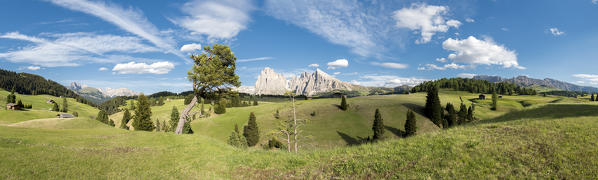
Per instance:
x=444, y=67
x=441, y=60
x=469, y=20
x=504, y=29
x=313, y=65
x=466, y=75
x=480, y=52
x=255, y=59
x=103, y=69
x=556, y=31
x=131, y=20
x=33, y=68
x=391, y=65
x=427, y=19
x=190, y=47
x=346, y=23
x=220, y=19
x=70, y=49
x=338, y=64
x=591, y=78
x=143, y=68
x=387, y=81
x=336, y=73
x=594, y=1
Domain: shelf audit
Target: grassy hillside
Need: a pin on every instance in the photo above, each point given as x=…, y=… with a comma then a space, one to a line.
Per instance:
x=332, y=127
x=41, y=109
x=161, y=113
x=552, y=141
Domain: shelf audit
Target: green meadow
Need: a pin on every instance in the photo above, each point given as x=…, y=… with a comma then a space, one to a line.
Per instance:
x=527, y=137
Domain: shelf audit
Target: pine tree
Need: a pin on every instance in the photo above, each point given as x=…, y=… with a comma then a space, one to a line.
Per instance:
x=158, y=126
x=251, y=131
x=174, y=118
x=187, y=127
x=494, y=101
x=470, y=113
x=462, y=115
x=236, y=139
x=344, y=103
x=65, y=105
x=433, y=108
x=142, y=119
x=451, y=118
x=592, y=98
x=277, y=114
x=102, y=117
x=125, y=119
x=55, y=107
x=132, y=107
x=410, y=124
x=255, y=102
x=378, y=126
x=11, y=98
x=111, y=122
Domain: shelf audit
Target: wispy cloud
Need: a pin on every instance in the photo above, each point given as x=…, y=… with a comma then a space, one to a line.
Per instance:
x=255, y=59
x=466, y=75
x=216, y=19
x=33, y=68
x=443, y=67
x=338, y=64
x=131, y=20
x=556, y=32
x=361, y=26
x=143, y=68
x=313, y=65
x=390, y=65
x=592, y=78
x=191, y=47
x=387, y=81
x=71, y=49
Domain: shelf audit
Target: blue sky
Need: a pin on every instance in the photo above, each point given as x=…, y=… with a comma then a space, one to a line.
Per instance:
x=144, y=45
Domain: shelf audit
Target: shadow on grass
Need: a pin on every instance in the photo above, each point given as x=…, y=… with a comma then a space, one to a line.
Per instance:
x=415, y=108
x=337, y=106
x=351, y=141
x=395, y=131
x=552, y=111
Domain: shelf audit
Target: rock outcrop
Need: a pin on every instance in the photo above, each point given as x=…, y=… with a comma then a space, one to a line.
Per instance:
x=272, y=83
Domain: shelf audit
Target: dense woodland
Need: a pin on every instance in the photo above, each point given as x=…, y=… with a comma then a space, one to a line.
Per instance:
x=475, y=86
x=31, y=84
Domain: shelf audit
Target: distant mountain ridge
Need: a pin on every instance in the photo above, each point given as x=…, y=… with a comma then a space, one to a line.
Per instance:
x=99, y=95
x=308, y=84
x=546, y=82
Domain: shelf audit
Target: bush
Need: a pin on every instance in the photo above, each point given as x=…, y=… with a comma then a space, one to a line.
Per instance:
x=76, y=114
x=220, y=108
x=313, y=113
x=274, y=143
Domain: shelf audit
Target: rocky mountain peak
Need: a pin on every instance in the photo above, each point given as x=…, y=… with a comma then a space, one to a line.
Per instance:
x=272, y=83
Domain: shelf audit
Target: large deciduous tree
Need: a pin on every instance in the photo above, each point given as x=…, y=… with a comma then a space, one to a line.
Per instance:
x=212, y=75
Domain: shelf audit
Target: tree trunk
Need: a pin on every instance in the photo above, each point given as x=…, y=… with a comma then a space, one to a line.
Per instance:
x=295, y=124
x=184, y=114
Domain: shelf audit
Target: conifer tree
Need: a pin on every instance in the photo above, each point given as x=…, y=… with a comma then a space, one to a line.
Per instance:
x=470, y=113
x=410, y=124
x=55, y=107
x=462, y=115
x=451, y=118
x=251, y=131
x=494, y=100
x=378, y=126
x=158, y=125
x=11, y=98
x=433, y=108
x=110, y=122
x=102, y=117
x=592, y=98
x=187, y=127
x=65, y=105
x=125, y=119
x=142, y=119
x=277, y=114
x=236, y=139
x=174, y=118
x=255, y=102
x=344, y=103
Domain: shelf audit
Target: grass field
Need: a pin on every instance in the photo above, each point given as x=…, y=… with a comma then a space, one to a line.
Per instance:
x=527, y=137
